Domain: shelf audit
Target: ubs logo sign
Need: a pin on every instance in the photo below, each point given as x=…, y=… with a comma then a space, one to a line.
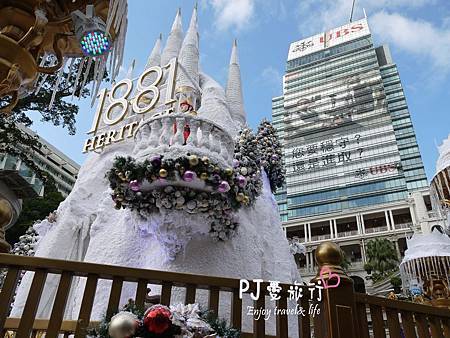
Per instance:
x=340, y=33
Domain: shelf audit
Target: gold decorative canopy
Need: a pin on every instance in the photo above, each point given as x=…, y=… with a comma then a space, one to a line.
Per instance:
x=36, y=35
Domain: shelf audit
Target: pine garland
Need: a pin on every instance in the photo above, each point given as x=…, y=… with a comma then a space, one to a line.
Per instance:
x=271, y=153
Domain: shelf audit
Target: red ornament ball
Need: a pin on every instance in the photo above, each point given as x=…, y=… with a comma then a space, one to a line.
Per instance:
x=157, y=319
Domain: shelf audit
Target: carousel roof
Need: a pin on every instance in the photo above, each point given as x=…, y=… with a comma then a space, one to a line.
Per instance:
x=444, y=155
x=427, y=245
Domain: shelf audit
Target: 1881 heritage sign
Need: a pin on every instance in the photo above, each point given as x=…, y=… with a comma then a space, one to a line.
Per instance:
x=121, y=100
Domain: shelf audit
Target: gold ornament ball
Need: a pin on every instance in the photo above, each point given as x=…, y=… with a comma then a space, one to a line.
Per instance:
x=193, y=160
x=204, y=176
x=205, y=160
x=122, y=325
x=240, y=197
x=163, y=173
x=246, y=200
x=229, y=171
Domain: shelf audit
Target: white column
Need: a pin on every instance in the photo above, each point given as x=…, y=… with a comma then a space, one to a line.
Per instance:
x=307, y=261
x=309, y=231
x=363, y=251
x=311, y=259
x=335, y=228
x=306, y=232
x=331, y=228
x=397, y=247
x=392, y=219
x=387, y=219
x=362, y=224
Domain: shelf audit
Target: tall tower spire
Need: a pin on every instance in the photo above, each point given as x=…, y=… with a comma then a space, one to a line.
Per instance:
x=234, y=89
x=188, y=78
x=174, y=40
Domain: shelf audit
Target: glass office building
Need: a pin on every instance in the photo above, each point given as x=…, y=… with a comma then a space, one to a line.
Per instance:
x=353, y=166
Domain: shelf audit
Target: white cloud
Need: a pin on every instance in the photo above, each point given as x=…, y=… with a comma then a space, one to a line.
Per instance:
x=328, y=14
x=232, y=13
x=272, y=78
x=414, y=36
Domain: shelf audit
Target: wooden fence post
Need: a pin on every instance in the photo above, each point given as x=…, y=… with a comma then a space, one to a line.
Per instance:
x=338, y=316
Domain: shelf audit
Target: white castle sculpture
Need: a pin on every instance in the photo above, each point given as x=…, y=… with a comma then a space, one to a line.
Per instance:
x=173, y=217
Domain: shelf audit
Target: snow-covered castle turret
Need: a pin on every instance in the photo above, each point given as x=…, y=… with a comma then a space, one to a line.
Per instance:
x=189, y=187
x=234, y=89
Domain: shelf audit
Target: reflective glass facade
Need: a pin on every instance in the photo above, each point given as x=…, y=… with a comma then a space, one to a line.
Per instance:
x=347, y=133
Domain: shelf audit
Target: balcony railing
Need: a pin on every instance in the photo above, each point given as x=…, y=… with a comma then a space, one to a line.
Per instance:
x=320, y=237
x=403, y=225
x=347, y=233
x=376, y=229
x=165, y=134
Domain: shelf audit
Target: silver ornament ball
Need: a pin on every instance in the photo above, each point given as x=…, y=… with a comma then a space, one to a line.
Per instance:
x=122, y=325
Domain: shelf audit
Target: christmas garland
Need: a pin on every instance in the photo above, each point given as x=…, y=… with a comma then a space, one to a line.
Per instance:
x=151, y=185
x=160, y=321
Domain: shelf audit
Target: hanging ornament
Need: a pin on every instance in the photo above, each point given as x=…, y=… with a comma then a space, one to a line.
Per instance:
x=240, y=197
x=156, y=161
x=204, y=176
x=122, y=325
x=135, y=185
x=228, y=171
x=189, y=176
x=163, y=173
x=242, y=181
x=205, y=160
x=235, y=163
x=193, y=160
x=157, y=319
x=223, y=186
x=244, y=171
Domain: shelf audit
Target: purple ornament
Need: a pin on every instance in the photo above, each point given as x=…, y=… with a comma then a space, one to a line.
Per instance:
x=135, y=185
x=223, y=186
x=274, y=157
x=242, y=181
x=189, y=176
x=235, y=163
x=156, y=161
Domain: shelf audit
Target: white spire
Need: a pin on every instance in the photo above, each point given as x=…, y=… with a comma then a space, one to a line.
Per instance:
x=130, y=70
x=188, y=74
x=234, y=89
x=174, y=40
x=154, y=58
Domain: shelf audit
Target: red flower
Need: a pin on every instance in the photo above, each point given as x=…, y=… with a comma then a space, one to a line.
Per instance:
x=157, y=319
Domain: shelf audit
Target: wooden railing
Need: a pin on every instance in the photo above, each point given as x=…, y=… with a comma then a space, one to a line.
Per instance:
x=397, y=319
x=53, y=326
x=343, y=313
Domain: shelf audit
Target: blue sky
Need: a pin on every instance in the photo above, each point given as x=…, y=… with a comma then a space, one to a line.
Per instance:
x=417, y=31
